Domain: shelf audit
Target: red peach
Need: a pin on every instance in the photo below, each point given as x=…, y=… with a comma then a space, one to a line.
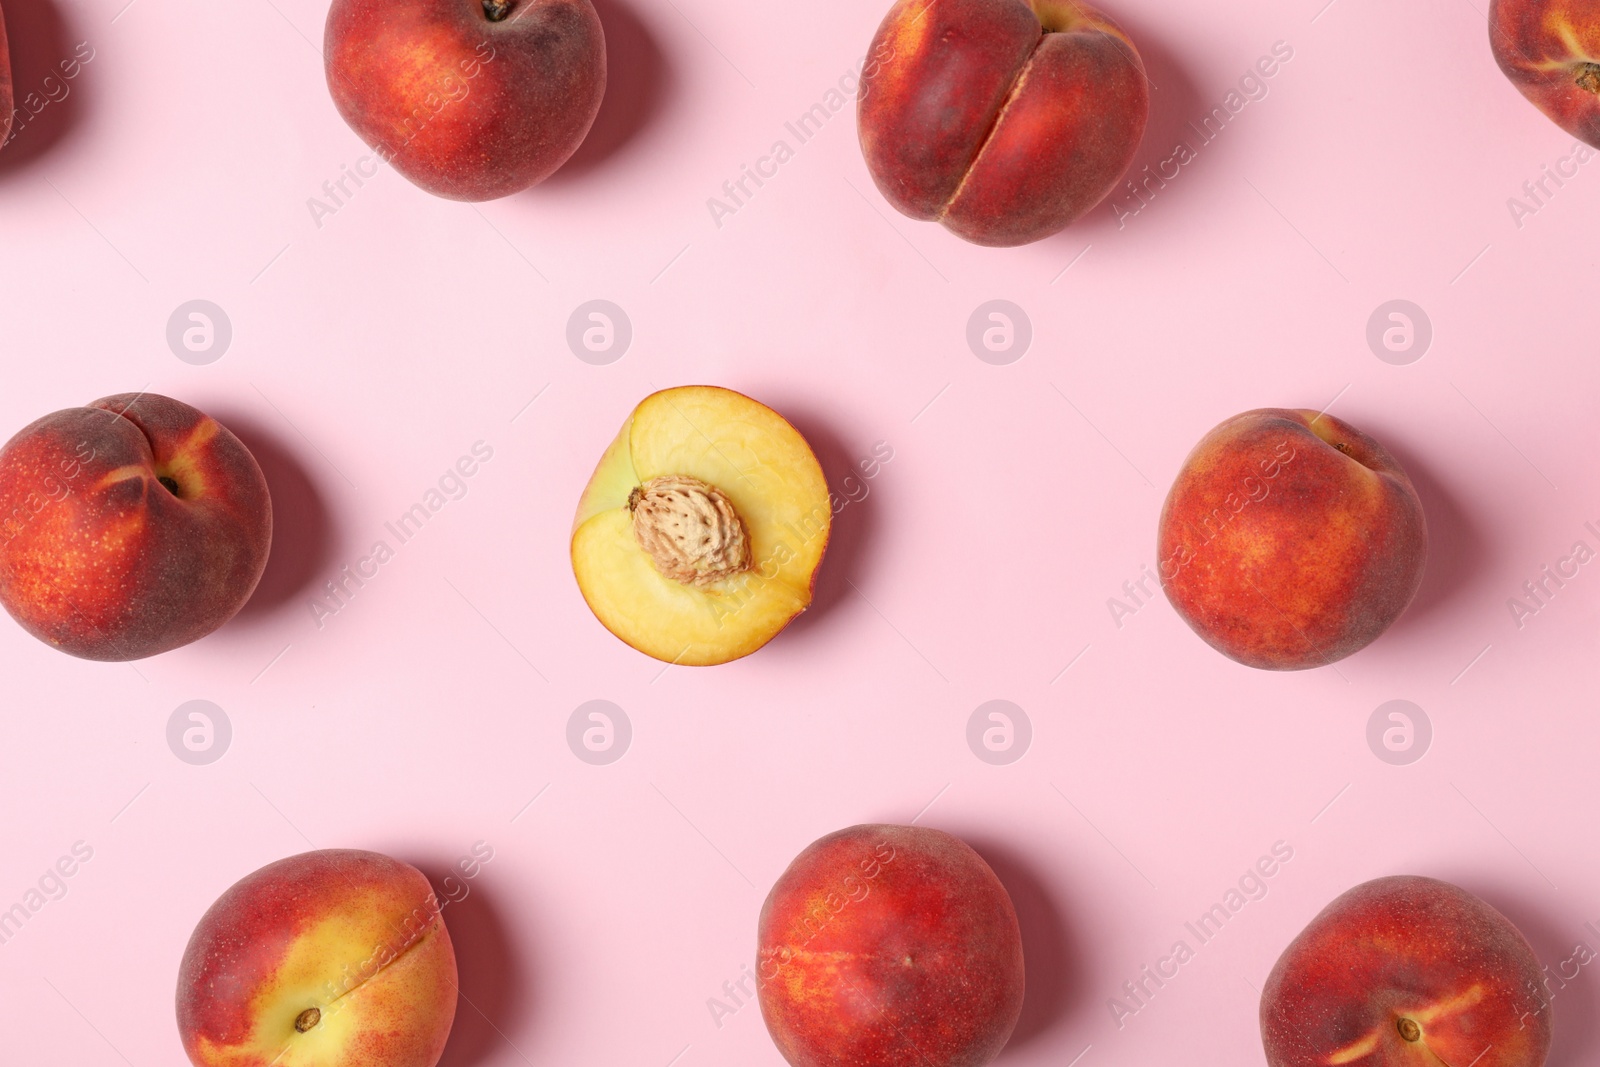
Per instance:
x=1004, y=120
x=1550, y=50
x=1406, y=972
x=1290, y=539
x=129, y=527
x=331, y=957
x=889, y=945
x=469, y=99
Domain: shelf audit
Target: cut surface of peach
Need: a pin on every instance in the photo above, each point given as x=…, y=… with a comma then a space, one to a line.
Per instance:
x=699, y=534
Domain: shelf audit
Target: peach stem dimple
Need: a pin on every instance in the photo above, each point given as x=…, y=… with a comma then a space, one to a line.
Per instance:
x=496, y=10
x=1057, y=16
x=307, y=1019
x=1409, y=1029
x=1588, y=78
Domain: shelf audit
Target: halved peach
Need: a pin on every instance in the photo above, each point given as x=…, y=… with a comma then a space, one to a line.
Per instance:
x=699, y=535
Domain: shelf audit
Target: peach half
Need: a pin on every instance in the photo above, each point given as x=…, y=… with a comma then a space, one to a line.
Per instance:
x=699, y=535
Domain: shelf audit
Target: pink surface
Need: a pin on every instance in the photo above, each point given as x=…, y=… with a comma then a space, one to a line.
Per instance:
x=372, y=351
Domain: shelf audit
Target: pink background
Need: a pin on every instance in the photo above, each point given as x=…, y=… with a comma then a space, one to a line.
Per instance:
x=372, y=351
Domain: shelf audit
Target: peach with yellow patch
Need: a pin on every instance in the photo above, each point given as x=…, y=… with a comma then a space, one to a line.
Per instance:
x=1550, y=50
x=1290, y=539
x=699, y=535
x=1406, y=971
x=335, y=958
x=1004, y=120
x=129, y=527
x=894, y=946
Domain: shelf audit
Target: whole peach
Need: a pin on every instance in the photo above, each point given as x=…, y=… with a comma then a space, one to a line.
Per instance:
x=335, y=957
x=894, y=946
x=1004, y=120
x=1406, y=972
x=1290, y=539
x=129, y=527
x=469, y=99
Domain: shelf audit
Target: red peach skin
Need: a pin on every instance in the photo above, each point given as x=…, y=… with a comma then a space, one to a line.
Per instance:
x=1406, y=972
x=1550, y=50
x=333, y=958
x=469, y=99
x=1290, y=539
x=894, y=946
x=129, y=527
x=1003, y=121
x=7, y=106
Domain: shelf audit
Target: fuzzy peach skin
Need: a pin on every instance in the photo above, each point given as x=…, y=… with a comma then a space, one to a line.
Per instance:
x=7, y=104
x=1406, y=972
x=1004, y=120
x=129, y=527
x=335, y=958
x=894, y=946
x=1290, y=539
x=469, y=99
x=1550, y=49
